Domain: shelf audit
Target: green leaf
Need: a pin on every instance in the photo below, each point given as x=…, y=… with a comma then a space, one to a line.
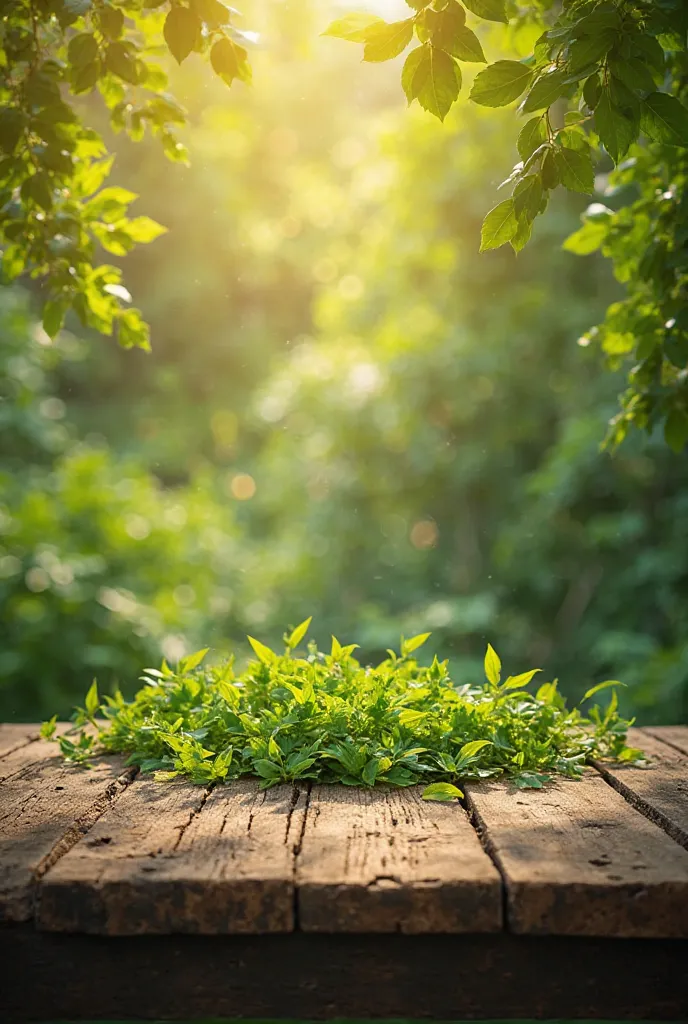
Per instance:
x=212, y=12
x=531, y=137
x=230, y=61
x=299, y=632
x=111, y=20
x=54, y=312
x=82, y=49
x=143, y=229
x=466, y=46
x=528, y=197
x=575, y=169
x=181, y=30
x=448, y=31
x=500, y=83
x=587, y=239
x=616, y=131
x=545, y=92
x=353, y=27
x=488, y=10
x=410, y=717
x=122, y=63
x=264, y=653
x=92, y=700
x=443, y=792
x=469, y=750
x=500, y=226
x=38, y=188
x=592, y=90
x=634, y=74
x=266, y=769
x=387, y=40
x=530, y=780
x=192, y=661
x=664, y=119
x=590, y=49
x=132, y=330
x=518, y=682
x=47, y=730
x=522, y=235
x=433, y=78
x=408, y=646
x=600, y=686
x=676, y=430
x=493, y=666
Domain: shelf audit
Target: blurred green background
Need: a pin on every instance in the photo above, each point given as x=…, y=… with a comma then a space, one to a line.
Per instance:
x=347, y=412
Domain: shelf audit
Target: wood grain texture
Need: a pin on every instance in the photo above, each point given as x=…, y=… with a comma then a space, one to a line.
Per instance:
x=45, y=808
x=384, y=860
x=177, y=858
x=577, y=859
x=675, y=735
x=326, y=977
x=658, y=790
x=13, y=736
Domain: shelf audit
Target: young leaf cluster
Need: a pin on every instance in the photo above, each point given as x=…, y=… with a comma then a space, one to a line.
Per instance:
x=54, y=211
x=326, y=718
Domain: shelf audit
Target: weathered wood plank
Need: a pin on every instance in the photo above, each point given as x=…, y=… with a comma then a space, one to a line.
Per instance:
x=577, y=859
x=14, y=735
x=675, y=735
x=384, y=860
x=658, y=790
x=177, y=858
x=45, y=807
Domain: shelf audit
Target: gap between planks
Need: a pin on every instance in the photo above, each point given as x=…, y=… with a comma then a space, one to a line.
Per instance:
x=658, y=790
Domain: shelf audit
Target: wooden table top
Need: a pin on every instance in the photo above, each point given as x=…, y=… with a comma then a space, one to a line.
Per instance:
x=107, y=851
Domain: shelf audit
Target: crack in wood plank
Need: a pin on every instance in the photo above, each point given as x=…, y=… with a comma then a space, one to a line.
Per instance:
x=221, y=861
x=46, y=808
x=567, y=872
x=14, y=736
x=675, y=735
x=659, y=791
x=83, y=825
x=384, y=860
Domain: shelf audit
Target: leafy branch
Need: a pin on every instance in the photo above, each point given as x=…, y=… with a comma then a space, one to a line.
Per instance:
x=54, y=210
x=602, y=77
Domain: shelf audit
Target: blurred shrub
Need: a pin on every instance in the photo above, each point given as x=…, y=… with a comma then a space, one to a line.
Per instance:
x=101, y=570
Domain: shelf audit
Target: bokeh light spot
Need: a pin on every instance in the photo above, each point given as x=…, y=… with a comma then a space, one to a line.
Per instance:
x=242, y=486
x=424, y=534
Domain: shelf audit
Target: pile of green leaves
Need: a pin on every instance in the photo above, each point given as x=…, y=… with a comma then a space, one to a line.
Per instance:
x=325, y=717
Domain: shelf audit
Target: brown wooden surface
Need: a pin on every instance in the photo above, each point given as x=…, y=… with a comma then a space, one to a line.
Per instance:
x=659, y=789
x=105, y=851
x=577, y=859
x=12, y=737
x=675, y=735
x=46, y=807
x=177, y=858
x=384, y=860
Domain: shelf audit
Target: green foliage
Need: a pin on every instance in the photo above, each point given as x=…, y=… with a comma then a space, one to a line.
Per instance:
x=54, y=211
x=601, y=76
x=594, y=75
x=325, y=717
